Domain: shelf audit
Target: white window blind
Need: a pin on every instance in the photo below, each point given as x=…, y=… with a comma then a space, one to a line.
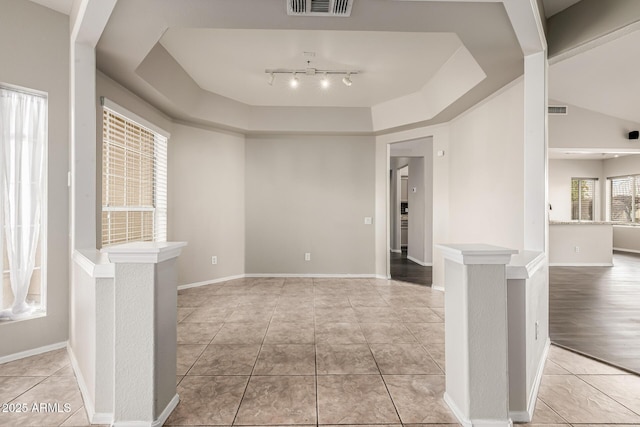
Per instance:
x=134, y=181
x=583, y=199
x=625, y=199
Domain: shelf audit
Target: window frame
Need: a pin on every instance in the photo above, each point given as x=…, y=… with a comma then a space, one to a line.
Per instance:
x=594, y=202
x=42, y=268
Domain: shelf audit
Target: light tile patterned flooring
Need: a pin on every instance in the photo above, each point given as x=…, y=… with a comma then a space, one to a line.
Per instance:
x=320, y=351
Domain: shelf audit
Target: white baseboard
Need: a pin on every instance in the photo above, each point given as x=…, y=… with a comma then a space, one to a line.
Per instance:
x=580, y=264
x=396, y=251
x=314, y=275
x=32, y=352
x=167, y=411
x=89, y=404
x=210, y=282
x=476, y=422
x=633, y=251
x=437, y=287
x=267, y=275
x=417, y=261
x=527, y=416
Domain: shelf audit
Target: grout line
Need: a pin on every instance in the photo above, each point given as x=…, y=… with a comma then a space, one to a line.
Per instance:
x=254, y=364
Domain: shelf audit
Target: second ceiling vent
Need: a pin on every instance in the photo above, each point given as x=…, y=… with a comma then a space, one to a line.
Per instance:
x=319, y=7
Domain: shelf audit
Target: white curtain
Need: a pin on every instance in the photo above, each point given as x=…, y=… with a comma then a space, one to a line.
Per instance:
x=23, y=136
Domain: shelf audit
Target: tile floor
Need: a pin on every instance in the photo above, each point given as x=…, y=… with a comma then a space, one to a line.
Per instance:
x=320, y=351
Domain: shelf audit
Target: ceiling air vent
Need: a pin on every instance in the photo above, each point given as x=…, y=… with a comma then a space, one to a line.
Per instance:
x=319, y=7
x=558, y=110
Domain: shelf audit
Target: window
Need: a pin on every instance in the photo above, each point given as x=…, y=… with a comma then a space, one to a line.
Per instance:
x=625, y=199
x=583, y=199
x=23, y=200
x=134, y=181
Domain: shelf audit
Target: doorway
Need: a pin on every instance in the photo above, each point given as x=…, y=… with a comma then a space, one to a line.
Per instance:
x=410, y=211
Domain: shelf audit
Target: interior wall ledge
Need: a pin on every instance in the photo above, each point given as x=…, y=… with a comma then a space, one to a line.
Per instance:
x=95, y=263
x=143, y=252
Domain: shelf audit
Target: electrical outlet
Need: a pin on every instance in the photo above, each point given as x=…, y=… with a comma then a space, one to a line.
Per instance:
x=214, y=260
x=368, y=220
x=307, y=256
x=577, y=249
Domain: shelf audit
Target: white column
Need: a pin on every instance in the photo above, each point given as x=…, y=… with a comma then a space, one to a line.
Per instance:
x=535, y=152
x=477, y=382
x=145, y=312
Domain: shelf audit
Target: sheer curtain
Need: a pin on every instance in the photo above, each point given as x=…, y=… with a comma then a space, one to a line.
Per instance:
x=23, y=136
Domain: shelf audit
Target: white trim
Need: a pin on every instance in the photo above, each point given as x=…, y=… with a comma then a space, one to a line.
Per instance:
x=166, y=412
x=633, y=251
x=476, y=253
x=89, y=405
x=527, y=416
x=158, y=422
x=417, y=261
x=477, y=422
x=251, y=275
x=143, y=252
x=396, y=251
x=437, y=287
x=315, y=275
x=210, y=282
x=94, y=263
x=525, y=265
x=456, y=411
x=106, y=102
x=32, y=352
x=580, y=264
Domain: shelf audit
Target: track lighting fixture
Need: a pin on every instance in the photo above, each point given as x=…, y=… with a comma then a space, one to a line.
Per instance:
x=325, y=81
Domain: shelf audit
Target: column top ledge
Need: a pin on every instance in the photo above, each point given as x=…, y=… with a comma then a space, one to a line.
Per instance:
x=476, y=253
x=143, y=252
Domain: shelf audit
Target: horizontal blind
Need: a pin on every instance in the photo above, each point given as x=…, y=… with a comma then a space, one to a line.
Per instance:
x=582, y=199
x=134, y=183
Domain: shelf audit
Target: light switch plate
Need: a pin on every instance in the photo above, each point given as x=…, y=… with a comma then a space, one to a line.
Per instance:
x=368, y=220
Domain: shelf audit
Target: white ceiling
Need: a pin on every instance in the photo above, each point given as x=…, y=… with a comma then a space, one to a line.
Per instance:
x=551, y=7
x=604, y=79
x=224, y=46
x=62, y=6
x=232, y=63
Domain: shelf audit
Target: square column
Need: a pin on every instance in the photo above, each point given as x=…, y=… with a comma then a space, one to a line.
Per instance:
x=145, y=337
x=476, y=347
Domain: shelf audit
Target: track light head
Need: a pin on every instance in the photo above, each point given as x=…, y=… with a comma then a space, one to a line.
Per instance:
x=294, y=82
x=325, y=83
x=347, y=80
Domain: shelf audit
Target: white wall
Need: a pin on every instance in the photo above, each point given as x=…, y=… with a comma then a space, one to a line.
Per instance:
x=585, y=129
x=206, y=202
x=486, y=172
x=310, y=194
x=36, y=43
x=560, y=174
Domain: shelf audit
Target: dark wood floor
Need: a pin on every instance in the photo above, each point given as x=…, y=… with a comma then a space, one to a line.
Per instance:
x=596, y=310
x=408, y=271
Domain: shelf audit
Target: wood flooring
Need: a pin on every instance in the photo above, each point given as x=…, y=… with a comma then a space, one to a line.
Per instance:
x=596, y=310
x=406, y=270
